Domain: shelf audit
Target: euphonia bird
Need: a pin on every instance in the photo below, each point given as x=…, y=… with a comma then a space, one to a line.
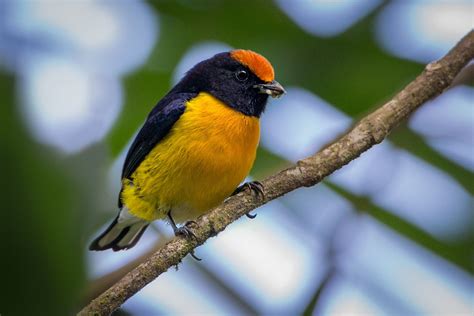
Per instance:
x=196, y=146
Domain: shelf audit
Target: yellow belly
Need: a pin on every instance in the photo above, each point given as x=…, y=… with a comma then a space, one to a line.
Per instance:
x=205, y=156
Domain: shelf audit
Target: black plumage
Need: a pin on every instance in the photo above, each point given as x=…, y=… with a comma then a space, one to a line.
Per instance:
x=222, y=76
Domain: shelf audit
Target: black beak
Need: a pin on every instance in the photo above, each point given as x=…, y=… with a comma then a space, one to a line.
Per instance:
x=273, y=89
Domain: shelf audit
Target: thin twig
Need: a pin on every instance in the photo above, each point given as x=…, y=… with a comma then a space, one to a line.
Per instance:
x=370, y=131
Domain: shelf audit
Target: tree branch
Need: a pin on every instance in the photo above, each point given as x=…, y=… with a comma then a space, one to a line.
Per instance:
x=99, y=285
x=370, y=131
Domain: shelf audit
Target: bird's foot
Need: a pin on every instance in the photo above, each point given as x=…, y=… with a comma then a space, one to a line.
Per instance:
x=255, y=187
x=186, y=231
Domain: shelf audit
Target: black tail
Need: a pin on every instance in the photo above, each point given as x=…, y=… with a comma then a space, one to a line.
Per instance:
x=120, y=235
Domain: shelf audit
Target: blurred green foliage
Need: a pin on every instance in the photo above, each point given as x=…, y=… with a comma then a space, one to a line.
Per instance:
x=42, y=266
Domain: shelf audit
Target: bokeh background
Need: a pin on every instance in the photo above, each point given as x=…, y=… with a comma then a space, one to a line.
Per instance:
x=389, y=234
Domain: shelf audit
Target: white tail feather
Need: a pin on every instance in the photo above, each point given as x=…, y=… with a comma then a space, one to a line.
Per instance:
x=123, y=233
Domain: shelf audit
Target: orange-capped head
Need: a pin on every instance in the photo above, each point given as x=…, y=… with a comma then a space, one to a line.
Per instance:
x=258, y=64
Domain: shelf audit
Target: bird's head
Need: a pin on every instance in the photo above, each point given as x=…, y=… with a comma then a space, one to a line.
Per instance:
x=242, y=79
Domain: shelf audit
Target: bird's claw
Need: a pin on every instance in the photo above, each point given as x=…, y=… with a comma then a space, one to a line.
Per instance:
x=251, y=216
x=254, y=186
x=194, y=256
x=185, y=230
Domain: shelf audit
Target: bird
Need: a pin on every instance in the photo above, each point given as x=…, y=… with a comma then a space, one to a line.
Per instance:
x=195, y=147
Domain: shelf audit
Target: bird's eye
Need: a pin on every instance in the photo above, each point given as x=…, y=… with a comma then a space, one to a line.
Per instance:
x=242, y=75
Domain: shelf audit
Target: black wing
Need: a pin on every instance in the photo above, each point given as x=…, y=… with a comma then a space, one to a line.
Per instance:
x=158, y=124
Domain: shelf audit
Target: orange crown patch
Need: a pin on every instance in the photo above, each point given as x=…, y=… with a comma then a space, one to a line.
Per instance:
x=258, y=64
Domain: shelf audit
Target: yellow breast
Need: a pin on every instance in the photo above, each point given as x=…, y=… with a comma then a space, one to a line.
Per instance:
x=207, y=153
